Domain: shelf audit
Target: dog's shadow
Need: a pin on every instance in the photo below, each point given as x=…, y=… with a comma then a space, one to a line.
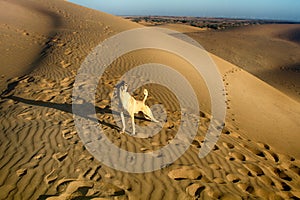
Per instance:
x=69, y=109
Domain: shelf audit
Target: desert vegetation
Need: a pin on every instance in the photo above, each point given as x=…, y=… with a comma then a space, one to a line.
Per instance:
x=202, y=22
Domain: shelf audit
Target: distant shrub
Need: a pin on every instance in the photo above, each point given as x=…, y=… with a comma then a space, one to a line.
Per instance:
x=184, y=21
x=212, y=26
x=136, y=20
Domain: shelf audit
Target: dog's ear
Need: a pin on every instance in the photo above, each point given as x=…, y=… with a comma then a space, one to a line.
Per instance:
x=120, y=84
x=125, y=87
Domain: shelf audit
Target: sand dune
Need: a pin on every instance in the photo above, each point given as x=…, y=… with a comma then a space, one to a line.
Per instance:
x=18, y=34
x=289, y=33
x=43, y=157
x=48, y=30
x=256, y=108
x=270, y=52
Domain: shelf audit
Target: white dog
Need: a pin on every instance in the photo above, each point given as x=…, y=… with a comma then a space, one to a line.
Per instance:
x=133, y=106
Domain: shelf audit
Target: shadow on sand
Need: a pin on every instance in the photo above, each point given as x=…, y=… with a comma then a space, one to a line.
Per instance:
x=68, y=108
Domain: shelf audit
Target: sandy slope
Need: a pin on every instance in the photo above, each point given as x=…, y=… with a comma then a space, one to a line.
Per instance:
x=259, y=110
x=270, y=52
x=43, y=157
x=22, y=38
x=30, y=31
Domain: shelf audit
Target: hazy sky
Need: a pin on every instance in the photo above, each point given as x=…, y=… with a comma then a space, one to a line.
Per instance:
x=264, y=9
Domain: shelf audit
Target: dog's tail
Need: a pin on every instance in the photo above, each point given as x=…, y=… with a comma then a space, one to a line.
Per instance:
x=146, y=95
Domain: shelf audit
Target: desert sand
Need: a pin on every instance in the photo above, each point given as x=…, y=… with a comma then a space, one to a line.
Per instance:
x=269, y=51
x=42, y=156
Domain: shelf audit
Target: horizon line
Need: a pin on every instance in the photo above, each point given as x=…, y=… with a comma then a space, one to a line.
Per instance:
x=217, y=17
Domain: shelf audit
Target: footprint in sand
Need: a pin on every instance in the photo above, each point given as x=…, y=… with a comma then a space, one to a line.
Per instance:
x=264, y=146
x=247, y=187
x=254, y=169
x=75, y=188
x=68, y=52
x=216, y=148
x=285, y=187
x=232, y=133
x=237, y=156
x=267, y=153
x=196, y=144
x=228, y=145
x=255, y=150
x=61, y=44
x=82, y=189
x=226, y=132
x=234, y=178
x=281, y=174
x=295, y=169
x=21, y=172
x=185, y=172
x=25, y=33
x=271, y=156
x=39, y=156
x=60, y=156
x=195, y=190
x=267, y=180
x=65, y=64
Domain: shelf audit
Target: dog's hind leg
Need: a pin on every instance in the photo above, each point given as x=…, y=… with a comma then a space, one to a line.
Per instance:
x=148, y=114
x=123, y=123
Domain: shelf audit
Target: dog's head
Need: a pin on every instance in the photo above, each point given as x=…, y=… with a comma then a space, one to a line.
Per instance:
x=124, y=87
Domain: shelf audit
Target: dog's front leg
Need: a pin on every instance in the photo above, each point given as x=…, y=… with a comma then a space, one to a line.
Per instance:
x=133, y=125
x=123, y=123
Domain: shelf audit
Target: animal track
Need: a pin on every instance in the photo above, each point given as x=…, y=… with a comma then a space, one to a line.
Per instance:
x=21, y=172
x=255, y=150
x=281, y=174
x=60, y=156
x=228, y=145
x=195, y=190
x=233, y=178
x=255, y=169
x=185, y=173
x=238, y=156
x=295, y=169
